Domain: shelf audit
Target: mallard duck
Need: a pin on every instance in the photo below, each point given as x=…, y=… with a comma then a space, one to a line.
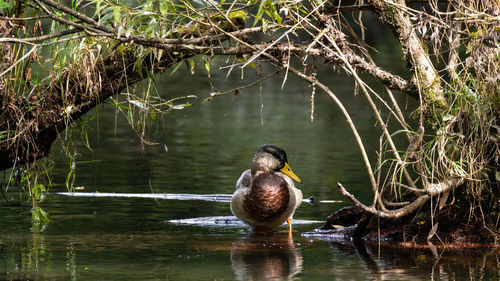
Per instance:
x=265, y=195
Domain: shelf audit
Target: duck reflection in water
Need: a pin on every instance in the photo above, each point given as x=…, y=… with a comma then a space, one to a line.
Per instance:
x=270, y=256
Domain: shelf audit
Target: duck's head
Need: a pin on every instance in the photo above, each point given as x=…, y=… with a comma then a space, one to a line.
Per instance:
x=270, y=158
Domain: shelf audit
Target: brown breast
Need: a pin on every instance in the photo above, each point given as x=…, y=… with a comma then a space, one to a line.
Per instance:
x=268, y=197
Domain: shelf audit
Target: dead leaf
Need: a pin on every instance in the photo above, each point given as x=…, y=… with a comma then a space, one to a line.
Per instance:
x=432, y=232
x=442, y=199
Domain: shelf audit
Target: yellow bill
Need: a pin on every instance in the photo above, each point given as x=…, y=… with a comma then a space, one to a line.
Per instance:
x=287, y=171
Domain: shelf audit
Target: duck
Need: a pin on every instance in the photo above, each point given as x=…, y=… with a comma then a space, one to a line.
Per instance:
x=265, y=195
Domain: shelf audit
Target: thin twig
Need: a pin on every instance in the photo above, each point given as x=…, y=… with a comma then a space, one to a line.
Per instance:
x=212, y=95
x=40, y=38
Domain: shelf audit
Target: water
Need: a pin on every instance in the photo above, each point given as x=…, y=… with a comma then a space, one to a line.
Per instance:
x=203, y=150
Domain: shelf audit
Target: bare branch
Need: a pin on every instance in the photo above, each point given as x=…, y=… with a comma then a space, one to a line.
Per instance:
x=41, y=38
x=23, y=19
x=435, y=189
x=389, y=214
x=77, y=15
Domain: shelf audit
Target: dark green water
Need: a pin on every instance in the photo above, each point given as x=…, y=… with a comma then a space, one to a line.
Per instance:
x=208, y=146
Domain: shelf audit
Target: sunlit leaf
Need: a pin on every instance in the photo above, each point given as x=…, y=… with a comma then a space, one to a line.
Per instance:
x=116, y=15
x=264, y=25
x=39, y=215
x=171, y=7
x=260, y=11
x=191, y=64
x=181, y=106
x=176, y=67
x=159, y=54
x=120, y=31
x=153, y=114
x=206, y=64
x=139, y=104
x=163, y=7
x=447, y=117
x=4, y=5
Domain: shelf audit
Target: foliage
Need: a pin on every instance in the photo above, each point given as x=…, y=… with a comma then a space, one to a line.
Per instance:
x=98, y=49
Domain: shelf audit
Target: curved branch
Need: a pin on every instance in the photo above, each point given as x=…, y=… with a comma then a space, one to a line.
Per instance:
x=77, y=15
x=432, y=190
x=435, y=189
x=389, y=214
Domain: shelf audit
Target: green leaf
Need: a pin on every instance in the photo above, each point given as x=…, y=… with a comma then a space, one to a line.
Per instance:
x=181, y=106
x=152, y=114
x=206, y=64
x=4, y=5
x=176, y=67
x=68, y=177
x=191, y=64
x=38, y=190
x=273, y=13
x=116, y=15
x=171, y=7
x=260, y=12
x=447, y=117
x=86, y=142
x=117, y=104
x=278, y=18
x=39, y=215
x=264, y=25
x=105, y=18
x=163, y=8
